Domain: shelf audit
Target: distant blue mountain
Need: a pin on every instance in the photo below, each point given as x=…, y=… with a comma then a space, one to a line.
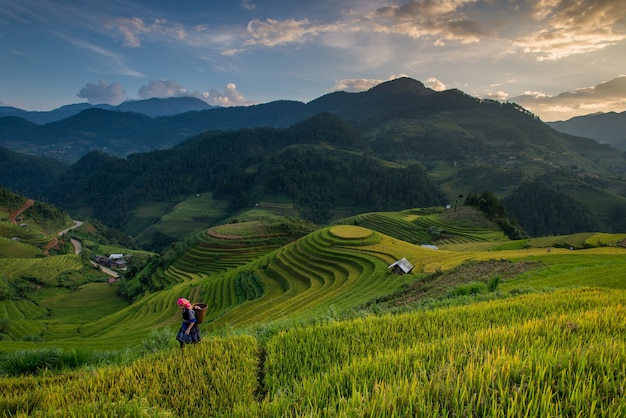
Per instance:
x=607, y=128
x=154, y=107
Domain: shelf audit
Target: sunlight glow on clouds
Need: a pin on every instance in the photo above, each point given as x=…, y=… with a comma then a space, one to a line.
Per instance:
x=441, y=20
x=433, y=83
x=604, y=97
x=275, y=49
x=360, y=84
x=574, y=27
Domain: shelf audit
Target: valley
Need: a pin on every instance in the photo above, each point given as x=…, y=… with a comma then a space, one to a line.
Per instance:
x=286, y=220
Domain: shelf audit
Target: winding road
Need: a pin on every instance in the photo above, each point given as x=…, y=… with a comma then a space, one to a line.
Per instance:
x=78, y=248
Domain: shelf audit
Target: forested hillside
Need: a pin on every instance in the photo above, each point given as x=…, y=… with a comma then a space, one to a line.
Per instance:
x=394, y=146
x=306, y=163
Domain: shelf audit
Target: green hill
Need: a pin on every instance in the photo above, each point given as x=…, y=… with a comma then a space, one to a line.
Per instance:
x=394, y=146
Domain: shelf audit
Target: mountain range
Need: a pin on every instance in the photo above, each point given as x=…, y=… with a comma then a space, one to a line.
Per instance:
x=394, y=146
x=607, y=128
x=153, y=107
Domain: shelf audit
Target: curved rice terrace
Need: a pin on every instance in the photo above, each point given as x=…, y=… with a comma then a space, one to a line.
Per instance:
x=218, y=250
x=311, y=276
x=391, y=224
x=10, y=248
x=426, y=228
x=453, y=234
x=25, y=235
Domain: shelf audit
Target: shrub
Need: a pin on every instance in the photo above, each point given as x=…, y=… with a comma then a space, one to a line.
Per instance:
x=159, y=339
x=30, y=362
x=493, y=283
x=473, y=288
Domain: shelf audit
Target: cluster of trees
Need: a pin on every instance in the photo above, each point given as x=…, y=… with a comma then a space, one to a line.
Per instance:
x=318, y=182
x=536, y=209
x=242, y=166
x=542, y=210
x=495, y=211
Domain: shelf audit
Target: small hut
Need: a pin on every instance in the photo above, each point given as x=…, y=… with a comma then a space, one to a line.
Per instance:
x=402, y=266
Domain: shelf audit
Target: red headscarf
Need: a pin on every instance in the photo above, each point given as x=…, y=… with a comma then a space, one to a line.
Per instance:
x=184, y=302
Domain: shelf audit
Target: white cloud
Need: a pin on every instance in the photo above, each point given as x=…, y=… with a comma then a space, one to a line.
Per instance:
x=229, y=96
x=435, y=84
x=606, y=96
x=162, y=89
x=354, y=85
x=102, y=92
x=248, y=4
x=133, y=27
x=274, y=32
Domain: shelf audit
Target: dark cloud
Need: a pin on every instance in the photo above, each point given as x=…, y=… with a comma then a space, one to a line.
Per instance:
x=102, y=92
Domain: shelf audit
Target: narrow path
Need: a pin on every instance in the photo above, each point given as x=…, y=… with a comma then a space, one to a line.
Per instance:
x=55, y=241
x=13, y=216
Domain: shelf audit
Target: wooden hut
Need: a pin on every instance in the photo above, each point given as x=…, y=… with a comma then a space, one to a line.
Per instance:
x=402, y=266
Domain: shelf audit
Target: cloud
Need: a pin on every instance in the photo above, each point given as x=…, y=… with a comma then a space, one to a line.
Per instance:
x=162, y=89
x=132, y=27
x=440, y=20
x=354, y=85
x=111, y=59
x=604, y=97
x=102, y=92
x=574, y=27
x=248, y=5
x=435, y=84
x=229, y=96
x=273, y=32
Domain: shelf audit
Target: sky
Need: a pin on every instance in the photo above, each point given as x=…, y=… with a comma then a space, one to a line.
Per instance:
x=556, y=58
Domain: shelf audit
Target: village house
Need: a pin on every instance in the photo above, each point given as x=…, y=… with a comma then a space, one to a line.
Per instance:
x=117, y=261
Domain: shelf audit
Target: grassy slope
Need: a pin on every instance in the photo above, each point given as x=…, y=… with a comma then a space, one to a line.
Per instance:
x=553, y=354
x=316, y=279
x=320, y=275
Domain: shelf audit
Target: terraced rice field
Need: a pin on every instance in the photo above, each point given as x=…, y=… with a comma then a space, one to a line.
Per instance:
x=425, y=228
x=314, y=275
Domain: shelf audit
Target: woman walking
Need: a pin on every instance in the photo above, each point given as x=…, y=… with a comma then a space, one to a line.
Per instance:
x=189, y=333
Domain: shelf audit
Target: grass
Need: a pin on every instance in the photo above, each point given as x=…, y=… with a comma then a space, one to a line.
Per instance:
x=593, y=267
x=87, y=303
x=543, y=354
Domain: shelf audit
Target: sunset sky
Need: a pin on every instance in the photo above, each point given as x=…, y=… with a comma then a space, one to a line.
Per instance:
x=557, y=58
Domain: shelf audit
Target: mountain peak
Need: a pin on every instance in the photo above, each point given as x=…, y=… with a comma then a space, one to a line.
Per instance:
x=402, y=85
